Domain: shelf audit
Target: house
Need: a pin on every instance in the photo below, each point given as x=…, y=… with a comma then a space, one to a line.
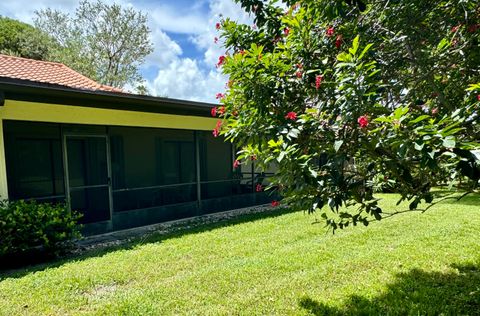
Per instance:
x=123, y=160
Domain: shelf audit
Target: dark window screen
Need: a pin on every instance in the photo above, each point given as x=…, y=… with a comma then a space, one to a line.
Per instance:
x=216, y=167
x=34, y=160
x=152, y=167
x=88, y=177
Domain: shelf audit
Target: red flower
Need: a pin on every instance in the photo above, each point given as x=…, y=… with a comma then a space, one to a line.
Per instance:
x=253, y=157
x=286, y=31
x=330, y=31
x=291, y=116
x=236, y=163
x=434, y=111
x=216, y=130
x=219, y=96
x=363, y=121
x=221, y=61
x=213, y=111
x=242, y=52
x=215, y=40
x=456, y=28
x=258, y=187
x=298, y=74
x=275, y=203
x=218, y=25
x=338, y=41
x=478, y=97
x=473, y=28
x=221, y=110
x=318, y=81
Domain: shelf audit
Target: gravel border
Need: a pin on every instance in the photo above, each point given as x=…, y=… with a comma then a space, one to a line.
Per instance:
x=121, y=237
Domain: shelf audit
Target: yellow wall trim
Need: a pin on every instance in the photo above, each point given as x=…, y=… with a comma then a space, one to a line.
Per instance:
x=44, y=112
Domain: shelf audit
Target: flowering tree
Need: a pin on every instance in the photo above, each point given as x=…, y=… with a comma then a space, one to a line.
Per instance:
x=347, y=97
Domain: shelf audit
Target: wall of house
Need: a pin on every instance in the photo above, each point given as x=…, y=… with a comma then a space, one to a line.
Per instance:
x=43, y=112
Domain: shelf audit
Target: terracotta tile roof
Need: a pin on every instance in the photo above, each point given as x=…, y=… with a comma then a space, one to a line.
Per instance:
x=48, y=72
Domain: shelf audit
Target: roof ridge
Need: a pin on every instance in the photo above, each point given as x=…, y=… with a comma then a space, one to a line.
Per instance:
x=33, y=60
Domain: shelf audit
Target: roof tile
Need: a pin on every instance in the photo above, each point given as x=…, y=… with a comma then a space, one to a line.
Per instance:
x=48, y=72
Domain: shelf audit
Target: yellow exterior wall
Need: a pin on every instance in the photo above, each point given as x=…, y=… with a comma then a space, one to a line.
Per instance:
x=44, y=112
x=3, y=168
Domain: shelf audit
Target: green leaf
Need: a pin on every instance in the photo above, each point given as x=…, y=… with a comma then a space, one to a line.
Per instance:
x=365, y=50
x=443, y=43
x=355, y=45
x=337, y=145
x=449, y=142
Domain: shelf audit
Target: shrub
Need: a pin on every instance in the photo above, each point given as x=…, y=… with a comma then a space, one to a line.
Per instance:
x=28, y=226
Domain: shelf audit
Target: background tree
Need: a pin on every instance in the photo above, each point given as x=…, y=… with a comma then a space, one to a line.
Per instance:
x=23, y=40
x=347, y=97
x=104, y=42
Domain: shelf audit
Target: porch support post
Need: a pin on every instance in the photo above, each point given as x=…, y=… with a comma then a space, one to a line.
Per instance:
x=197, y=169
x=3, y=166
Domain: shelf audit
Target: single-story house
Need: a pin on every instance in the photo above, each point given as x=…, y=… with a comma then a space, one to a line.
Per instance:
x=123, y=160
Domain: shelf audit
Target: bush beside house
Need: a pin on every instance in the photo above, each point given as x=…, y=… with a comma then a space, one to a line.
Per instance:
x=29, y=229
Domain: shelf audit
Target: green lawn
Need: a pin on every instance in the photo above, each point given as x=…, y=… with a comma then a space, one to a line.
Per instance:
x=273, y=263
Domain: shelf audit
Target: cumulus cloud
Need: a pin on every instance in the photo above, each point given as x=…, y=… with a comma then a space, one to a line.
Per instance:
x=199, y=80
x=184, y=79
x=165, y=49
x=23, y=10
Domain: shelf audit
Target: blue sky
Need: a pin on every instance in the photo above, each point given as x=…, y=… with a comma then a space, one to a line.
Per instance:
x=183, y=62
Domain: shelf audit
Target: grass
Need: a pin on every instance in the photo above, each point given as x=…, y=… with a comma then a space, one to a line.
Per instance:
x=273, y=263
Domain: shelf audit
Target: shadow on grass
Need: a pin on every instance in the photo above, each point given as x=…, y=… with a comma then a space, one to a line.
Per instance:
x=470, y=199
x=192, y=227
x=416, y=292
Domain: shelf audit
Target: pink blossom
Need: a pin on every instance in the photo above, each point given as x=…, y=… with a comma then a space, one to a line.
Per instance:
x=221, y=61
x=215, y=40
x=291, y=116
x=318, y=81
x=219, y=96
x=216, y=130
x=330, y=31
x=258, y=187
x=363, y=121
x=213, y=111
x=286, y=31
x=218, y=25
x=275, y=203
x=236, y=163
x=338, y=41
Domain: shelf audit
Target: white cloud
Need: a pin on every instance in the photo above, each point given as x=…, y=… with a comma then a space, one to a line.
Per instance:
x=199, y=80
x=173, y=20
x=165, y=49
x=23, y=10
x=184, y=79
x=205, y=40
